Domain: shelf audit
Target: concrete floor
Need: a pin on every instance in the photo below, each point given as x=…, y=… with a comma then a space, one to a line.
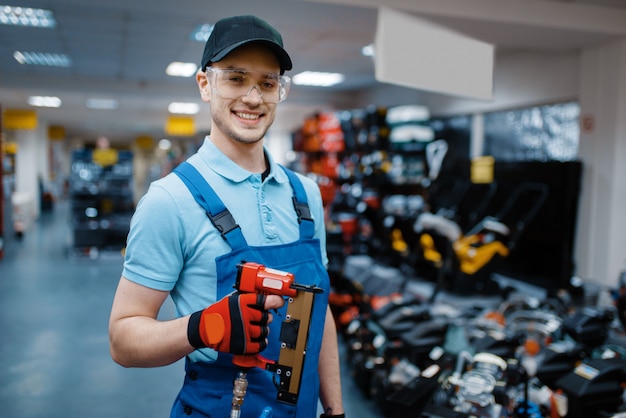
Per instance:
x=54, y=352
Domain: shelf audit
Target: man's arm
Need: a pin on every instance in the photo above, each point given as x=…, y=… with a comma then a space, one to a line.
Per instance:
x=329, y=371
x=136, y=337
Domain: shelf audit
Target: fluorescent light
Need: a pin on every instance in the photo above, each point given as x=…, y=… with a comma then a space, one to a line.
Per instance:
x=201, y=33
x=105, y=104
x=26, y=16
x=44, y=101
x=42, y=58
x=183, y=108
x=181, y=69
x=368, y=50
x=312, y=78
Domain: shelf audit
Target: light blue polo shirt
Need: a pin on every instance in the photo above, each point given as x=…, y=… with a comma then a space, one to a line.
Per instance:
x=172, y=245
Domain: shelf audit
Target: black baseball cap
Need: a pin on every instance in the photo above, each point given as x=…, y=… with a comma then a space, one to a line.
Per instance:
x=232, y=32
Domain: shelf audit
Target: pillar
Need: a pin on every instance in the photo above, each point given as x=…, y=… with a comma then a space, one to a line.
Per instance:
x=31, y=164
x=601, y=235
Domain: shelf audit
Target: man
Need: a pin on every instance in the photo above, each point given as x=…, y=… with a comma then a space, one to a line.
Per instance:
x=173, y=247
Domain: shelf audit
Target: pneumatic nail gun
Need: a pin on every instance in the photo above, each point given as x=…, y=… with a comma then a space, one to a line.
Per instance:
x=256, y=278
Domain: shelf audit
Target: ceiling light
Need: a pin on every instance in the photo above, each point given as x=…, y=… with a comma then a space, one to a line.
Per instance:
x=368, y=50
x=44, y=101
x=181, y=69
x=42, y=58
x=104, y=104
x=183, y=108
x=201, y=33
x=312, y=78
x=165, y=144
x=26, y=16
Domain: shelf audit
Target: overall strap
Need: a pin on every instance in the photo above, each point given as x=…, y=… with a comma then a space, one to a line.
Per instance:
x=215, y=209
x=300, y=204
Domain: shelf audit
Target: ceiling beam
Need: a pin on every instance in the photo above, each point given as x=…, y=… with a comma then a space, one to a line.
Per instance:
x=586, y=17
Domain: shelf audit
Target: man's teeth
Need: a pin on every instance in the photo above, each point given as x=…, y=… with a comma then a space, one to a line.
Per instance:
x=247, y=116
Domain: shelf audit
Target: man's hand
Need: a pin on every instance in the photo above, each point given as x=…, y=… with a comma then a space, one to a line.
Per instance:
x=237, y=324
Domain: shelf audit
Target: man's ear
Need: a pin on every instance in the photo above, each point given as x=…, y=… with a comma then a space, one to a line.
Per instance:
x=203, y=86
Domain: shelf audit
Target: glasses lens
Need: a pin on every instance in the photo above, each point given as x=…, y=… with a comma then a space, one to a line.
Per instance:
x=234, y=84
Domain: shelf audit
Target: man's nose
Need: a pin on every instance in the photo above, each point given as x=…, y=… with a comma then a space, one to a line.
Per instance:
x=258, y=95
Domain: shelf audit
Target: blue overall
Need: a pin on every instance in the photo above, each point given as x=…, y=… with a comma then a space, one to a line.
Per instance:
x=207, y=389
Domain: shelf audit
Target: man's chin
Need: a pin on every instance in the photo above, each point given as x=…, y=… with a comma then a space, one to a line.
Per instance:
x=247, y=140
x=248, y=136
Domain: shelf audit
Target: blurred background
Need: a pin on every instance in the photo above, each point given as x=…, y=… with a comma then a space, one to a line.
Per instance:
x=482, y=113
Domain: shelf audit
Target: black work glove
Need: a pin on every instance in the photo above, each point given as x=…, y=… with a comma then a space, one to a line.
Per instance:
x=236, y=324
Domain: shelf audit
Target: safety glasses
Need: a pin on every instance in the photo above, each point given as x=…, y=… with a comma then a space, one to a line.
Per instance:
x=234, y=83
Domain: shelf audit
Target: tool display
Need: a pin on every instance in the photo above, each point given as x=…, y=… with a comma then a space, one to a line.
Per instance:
x=257, y=278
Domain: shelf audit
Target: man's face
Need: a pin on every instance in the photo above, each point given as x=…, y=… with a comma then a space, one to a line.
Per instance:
x=247, y=118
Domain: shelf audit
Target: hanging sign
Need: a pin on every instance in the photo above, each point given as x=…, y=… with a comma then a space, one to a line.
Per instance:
x=417, y=53
x=56, y=133
x=180, y=126
x=20, y=119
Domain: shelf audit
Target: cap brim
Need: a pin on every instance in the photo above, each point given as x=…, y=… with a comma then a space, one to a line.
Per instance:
x=283, y=58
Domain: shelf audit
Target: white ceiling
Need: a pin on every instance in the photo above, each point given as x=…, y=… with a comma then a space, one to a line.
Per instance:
x=120, y=49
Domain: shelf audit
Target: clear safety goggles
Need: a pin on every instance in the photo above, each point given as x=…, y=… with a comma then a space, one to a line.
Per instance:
x=234, y=83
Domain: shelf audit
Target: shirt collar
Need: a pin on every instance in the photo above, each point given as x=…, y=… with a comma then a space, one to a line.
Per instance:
x=227, y=168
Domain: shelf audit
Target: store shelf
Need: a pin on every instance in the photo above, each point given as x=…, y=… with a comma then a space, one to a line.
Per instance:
x=101, y=200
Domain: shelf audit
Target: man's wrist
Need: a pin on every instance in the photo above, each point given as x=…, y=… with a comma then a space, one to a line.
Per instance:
x=328, y=413
x=193, y=330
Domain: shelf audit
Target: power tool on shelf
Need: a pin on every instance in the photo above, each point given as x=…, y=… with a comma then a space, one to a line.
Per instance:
x=256, y=278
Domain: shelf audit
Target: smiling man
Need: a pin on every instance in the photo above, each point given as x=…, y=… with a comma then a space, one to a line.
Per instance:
x=227, y=203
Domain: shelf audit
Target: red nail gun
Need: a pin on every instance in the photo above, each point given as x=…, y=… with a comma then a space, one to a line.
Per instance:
x=256, y=278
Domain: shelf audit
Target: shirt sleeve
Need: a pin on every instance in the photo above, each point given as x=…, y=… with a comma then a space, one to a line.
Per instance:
x=154, y=250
